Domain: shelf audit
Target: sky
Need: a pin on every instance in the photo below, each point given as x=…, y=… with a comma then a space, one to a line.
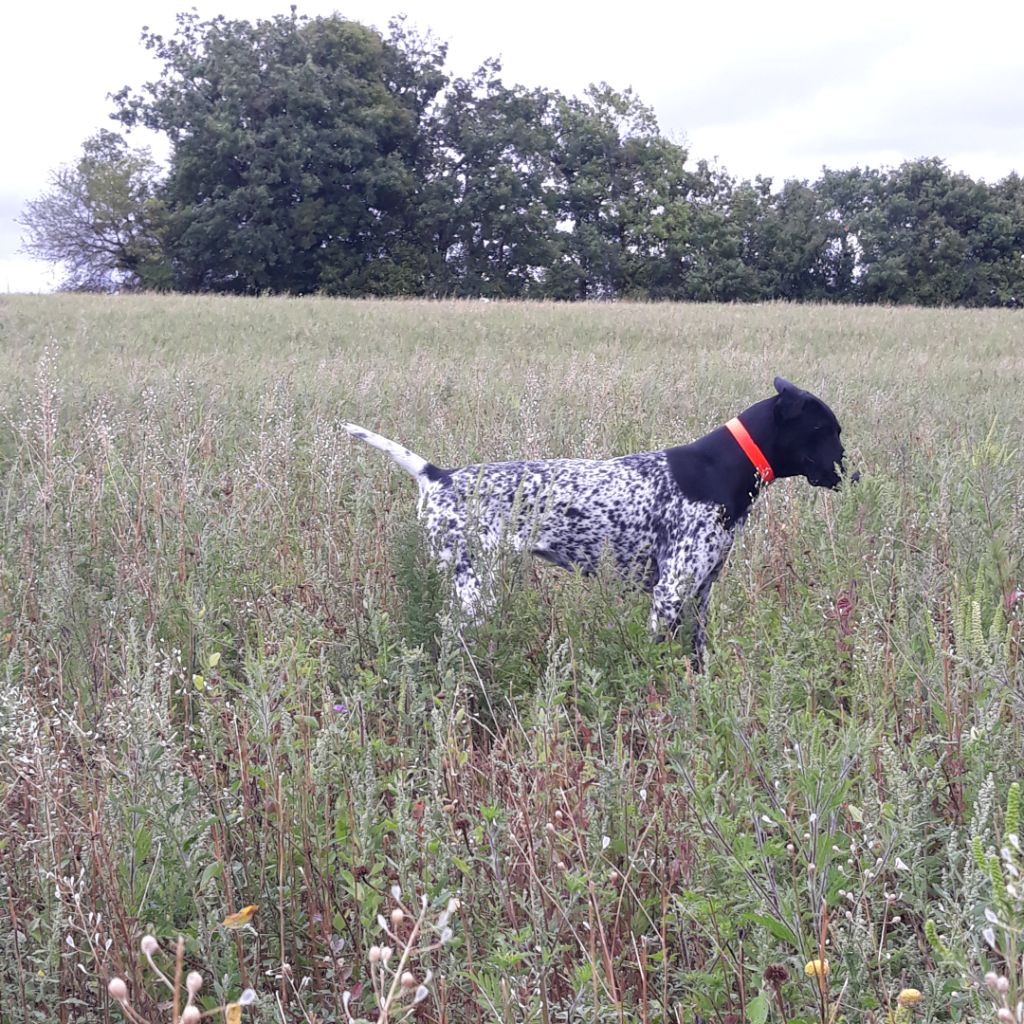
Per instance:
x=778, y=89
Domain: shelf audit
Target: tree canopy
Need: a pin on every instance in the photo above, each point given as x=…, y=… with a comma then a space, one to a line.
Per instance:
x=320, y=155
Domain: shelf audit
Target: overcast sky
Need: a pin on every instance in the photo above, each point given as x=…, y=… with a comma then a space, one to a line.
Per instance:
x=775, y=89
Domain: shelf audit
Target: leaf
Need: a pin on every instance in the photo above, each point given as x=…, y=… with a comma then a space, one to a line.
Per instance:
x=757, y=1010
x=777, y=928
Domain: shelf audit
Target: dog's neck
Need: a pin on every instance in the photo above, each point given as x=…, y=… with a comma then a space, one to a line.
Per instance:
x=716, y=470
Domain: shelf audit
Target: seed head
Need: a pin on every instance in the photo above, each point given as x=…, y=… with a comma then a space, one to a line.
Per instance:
x=776, y=975
x=408, y=979
x=397, y=917
x=1005, y=1015
x=374, y=954
x=191, y=1015
x=118, y=990
x=908, y=997
x=194, y=982
x=149, y=945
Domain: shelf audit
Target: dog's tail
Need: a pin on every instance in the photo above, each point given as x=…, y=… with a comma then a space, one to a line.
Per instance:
x=425, y=473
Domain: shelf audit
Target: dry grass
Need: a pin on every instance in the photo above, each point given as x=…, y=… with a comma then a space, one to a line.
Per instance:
x=229, y=677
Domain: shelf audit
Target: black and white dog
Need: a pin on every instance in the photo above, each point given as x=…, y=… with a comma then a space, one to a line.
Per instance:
x=666, y=518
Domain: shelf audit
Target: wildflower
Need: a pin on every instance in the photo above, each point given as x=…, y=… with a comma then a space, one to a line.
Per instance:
x=341, y=709
x=242, y=918
x=374, y=954
x=816, y=969
x=908, y=997
x=776, y=975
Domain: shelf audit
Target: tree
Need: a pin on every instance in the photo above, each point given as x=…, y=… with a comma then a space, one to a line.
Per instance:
x=297, y=152
x=498, y=208
x=620, y=182
x=930, y=237
x=101, y=219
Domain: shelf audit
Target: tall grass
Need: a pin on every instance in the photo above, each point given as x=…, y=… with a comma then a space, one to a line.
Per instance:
x=230, y=678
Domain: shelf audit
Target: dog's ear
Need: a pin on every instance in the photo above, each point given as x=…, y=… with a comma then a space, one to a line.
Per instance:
x=790, y=402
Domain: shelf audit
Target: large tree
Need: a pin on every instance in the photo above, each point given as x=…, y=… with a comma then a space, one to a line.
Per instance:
x=297, y=151
x=100, y=219
x=497, y=211
x=620, y=183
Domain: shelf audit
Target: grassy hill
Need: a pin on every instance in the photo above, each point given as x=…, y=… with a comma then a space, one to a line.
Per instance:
x=230, y=676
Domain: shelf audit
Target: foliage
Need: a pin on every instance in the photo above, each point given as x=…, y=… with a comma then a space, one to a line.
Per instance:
x=101, y=219
x=320, y=155
x=296, y=148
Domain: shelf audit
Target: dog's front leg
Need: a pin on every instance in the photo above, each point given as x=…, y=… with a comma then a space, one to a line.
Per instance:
x=678, y=594
x=700, y=621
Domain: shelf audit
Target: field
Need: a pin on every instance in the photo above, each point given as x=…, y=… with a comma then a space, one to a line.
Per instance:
x=230, y=676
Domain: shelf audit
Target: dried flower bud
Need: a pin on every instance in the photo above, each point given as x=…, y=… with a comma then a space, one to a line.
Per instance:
x=149, y=945
x=408, y=979
x=397, y=917
x=385, y=954
x=776, y=975
x=118, y=990
x=194, y=982
x=1005, y=1015
x=990, y=979
x=191, y=1015
x=1002, y=984
x=374, y=954
x=908, y=997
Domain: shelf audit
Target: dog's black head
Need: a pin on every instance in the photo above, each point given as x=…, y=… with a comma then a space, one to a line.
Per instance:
x=808, y=442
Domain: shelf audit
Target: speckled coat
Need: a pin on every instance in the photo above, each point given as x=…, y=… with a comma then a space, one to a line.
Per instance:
x=666, y=518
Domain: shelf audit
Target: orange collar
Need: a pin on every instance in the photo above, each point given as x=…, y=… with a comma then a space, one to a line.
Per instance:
x=750, y=449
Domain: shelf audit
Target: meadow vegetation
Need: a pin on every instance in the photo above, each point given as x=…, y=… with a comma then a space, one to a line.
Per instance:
x=230, y=676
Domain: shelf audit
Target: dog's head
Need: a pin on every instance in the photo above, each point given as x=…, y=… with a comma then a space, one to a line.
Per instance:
x=808, y=437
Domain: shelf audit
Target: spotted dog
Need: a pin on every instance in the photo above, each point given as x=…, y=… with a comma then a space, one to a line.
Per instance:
x=667, y=518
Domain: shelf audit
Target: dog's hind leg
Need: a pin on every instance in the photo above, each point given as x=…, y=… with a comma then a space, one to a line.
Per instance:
x=452, y=555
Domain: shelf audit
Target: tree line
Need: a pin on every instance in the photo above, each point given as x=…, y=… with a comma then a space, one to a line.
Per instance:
x=318, y=155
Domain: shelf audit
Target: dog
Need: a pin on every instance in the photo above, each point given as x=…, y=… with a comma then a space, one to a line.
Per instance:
x=666, y=518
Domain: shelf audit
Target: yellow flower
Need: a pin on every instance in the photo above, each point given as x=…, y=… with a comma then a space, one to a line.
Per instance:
x=908, y=997
x=816, y=969
x=242, y=918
